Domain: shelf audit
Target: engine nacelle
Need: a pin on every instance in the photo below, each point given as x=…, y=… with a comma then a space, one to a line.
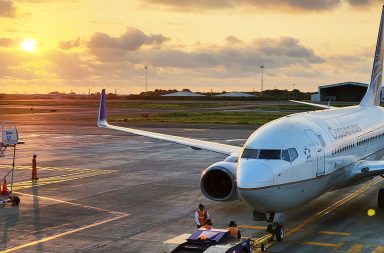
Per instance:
x=218, y=182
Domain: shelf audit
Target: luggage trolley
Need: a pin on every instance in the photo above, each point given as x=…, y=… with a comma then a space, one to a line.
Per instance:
x=9, y=139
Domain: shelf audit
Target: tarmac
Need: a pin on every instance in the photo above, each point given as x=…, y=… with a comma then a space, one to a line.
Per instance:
x=106, y=191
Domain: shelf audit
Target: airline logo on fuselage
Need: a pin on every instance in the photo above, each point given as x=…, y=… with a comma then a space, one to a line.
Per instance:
x=341, y=132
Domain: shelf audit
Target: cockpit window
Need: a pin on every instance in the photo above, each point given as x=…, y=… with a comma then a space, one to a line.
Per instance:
x=285, y=155
x=293, y=154
x=288, y=155
x=250, y=153
x=270, y=154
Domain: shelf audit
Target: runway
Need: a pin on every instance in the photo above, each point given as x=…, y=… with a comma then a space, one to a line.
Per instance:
x=106, y=191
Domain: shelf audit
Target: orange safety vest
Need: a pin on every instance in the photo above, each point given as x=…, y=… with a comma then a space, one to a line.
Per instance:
x=207, y=227
x=202, y=216
x=234, y=232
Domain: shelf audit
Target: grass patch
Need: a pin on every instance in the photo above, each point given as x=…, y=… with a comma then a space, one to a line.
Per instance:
x=166, y=105
x=247, y=118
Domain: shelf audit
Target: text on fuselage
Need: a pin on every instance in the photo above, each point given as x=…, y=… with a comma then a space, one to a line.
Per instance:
x=341, y=132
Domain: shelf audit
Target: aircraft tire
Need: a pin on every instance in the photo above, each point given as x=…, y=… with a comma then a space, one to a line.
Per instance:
x=380, y=198
x=279, y=233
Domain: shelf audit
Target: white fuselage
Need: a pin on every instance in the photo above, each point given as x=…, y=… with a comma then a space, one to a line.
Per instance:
x=328, y=143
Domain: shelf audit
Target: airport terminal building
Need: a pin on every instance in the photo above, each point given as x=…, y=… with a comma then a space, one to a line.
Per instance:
x=344, y=92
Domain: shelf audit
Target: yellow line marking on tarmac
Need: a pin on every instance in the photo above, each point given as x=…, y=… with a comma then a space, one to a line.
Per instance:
x=335, y=233
x=178, y=239
x=356, y=248
x=321, y=244
x=379, y=249
x=79, y=173
x=23, y=167
x=328, y=209
x=252, y=227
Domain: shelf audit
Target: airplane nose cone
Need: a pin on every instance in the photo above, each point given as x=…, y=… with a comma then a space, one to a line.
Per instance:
x=254, y=175
x=254, y=185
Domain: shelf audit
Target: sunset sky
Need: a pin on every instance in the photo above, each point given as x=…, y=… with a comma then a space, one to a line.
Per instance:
x=64, y=45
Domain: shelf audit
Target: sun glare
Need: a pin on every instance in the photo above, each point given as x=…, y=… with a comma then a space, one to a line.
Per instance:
x=28, y=45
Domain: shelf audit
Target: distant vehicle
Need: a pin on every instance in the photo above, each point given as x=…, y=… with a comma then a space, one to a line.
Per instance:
x=295, y=159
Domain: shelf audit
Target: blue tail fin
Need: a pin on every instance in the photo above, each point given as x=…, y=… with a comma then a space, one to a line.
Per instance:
x=102, y=119
x=372, y=97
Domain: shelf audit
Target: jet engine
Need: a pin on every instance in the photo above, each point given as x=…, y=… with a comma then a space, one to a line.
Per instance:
x=218, y=181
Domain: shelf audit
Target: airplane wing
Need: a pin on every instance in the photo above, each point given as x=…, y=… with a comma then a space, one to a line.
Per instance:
x=193, y=143
x=367, y=169
x=314, y=104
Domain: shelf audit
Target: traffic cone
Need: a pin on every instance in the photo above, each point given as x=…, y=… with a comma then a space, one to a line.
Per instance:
x=4, y=189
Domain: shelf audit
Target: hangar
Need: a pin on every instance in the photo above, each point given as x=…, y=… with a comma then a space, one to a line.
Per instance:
x=345, y=92
x=183, y=93
x=235, y=94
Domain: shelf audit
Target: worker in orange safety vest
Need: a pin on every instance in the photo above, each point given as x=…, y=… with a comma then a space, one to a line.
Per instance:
x=233, y=230
x=34, y=168
x=201, y=216
x=208, y=224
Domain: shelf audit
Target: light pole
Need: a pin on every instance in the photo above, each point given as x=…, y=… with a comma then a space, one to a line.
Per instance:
x=293, y=91
x=146, y=80
x=262, y=72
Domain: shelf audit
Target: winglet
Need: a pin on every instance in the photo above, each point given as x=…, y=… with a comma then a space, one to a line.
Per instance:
x=102, y=119
x=372, y=96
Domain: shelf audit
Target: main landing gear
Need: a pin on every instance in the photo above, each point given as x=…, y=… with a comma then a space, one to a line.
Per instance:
x=380, y=198
x=276, y=227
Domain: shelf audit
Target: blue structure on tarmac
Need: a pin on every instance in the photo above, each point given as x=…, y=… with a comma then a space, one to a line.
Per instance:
x=213, y=241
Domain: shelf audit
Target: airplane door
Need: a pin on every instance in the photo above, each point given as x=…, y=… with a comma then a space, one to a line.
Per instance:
x=318, y=143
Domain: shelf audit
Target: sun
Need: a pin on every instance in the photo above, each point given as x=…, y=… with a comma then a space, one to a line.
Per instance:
x=28, y=45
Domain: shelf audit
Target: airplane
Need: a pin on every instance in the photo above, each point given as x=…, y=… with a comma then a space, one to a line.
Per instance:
x=292, y=160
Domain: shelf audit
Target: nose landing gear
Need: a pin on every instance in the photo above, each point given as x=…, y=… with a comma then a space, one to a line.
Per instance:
x=276, y=227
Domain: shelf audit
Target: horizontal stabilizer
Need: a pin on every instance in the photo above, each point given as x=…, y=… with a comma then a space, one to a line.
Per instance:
x=313, y=104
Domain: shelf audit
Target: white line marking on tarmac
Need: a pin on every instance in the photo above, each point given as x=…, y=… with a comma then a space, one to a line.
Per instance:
x=72, y=231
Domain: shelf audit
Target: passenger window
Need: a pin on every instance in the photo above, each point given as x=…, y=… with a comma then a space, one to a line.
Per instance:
x=250, y=153
x=285, y=155
x=270, y=154
x=293, y=154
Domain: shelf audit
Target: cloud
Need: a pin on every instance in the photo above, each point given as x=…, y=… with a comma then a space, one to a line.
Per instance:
x=68, y=66
x=65, y=45
x=236, y=58
x=7, y=42
x=108, y=48
x=273, y=53
x=298, y=5
x=362, y=2
x=132, y=40
x=16, y=65
x=232, y=40
x=7, y=9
